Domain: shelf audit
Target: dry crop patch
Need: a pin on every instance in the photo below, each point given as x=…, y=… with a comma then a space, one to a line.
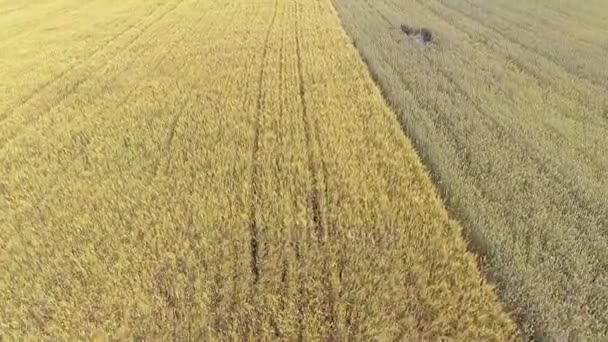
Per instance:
x=216, y=170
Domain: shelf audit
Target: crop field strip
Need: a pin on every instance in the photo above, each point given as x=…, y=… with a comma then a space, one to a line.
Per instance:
x=511, y=121
x=218, y=170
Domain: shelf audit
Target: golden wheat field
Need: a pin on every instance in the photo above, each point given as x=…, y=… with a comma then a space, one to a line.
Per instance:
x=216, y=170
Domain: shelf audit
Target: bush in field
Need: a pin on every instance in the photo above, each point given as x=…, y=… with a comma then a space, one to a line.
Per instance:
x=408, y=30
x=425, y=34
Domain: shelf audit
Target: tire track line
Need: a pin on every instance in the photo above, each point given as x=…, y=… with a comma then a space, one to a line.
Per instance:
x=253, y=224
x=219, y=100
x=303, y=302
x=166, y=146
x=298, y=238
x=318, y=196
x=301, y=297
x=313, y=198
x=332, y=279
x=284, y=271
x=289, y=275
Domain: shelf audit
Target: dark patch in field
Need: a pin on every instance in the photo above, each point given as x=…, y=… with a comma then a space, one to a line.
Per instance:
x=408, y=30
x=423, y=35
x=427, y=35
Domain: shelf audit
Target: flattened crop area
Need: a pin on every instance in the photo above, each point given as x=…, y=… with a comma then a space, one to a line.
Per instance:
x=216, y=170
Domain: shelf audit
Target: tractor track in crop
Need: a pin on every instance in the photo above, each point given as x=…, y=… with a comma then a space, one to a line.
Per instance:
x=310, y=140
x=253, y=224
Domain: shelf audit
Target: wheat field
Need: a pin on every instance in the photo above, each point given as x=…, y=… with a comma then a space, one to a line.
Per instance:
x=508, y=109
x=216, y=170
